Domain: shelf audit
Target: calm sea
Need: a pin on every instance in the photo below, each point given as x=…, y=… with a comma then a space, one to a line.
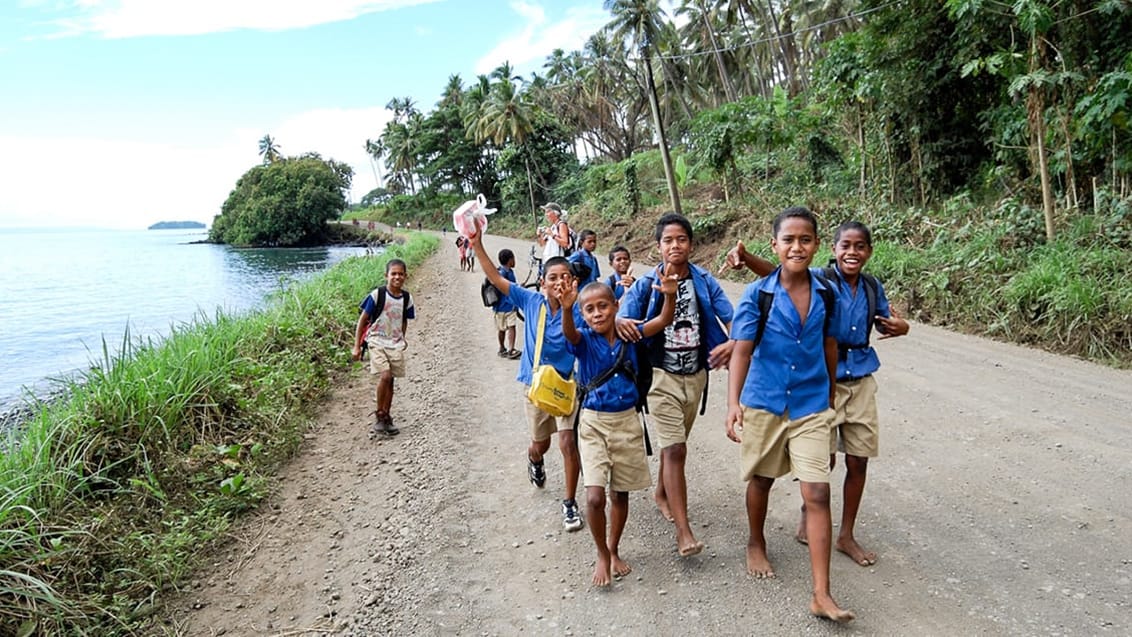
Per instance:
x=63, y=291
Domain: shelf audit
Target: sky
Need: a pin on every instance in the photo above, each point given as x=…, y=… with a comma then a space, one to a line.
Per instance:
x=122, y=113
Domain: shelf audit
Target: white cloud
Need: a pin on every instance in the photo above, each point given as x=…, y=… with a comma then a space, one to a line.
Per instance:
x=134, y=18
x=528, y=49
x=124, y=184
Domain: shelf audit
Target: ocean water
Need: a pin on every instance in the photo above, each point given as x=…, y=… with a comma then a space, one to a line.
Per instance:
x=63, y=291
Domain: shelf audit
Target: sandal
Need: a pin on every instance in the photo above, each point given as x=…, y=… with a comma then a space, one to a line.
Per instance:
x=514, y=354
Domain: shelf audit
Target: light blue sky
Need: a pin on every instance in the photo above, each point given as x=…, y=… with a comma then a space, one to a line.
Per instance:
x=120, y=113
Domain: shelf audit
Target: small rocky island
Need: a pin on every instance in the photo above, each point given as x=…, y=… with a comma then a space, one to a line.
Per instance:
x=176, y=225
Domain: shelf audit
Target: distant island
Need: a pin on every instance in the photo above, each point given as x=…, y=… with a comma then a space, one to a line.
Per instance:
x=176, y=225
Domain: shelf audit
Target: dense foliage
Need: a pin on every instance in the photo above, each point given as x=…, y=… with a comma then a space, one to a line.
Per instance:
x=284, y=203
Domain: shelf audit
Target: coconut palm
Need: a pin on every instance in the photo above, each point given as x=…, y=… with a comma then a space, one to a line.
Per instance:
x=269, y=150
x=641, y=22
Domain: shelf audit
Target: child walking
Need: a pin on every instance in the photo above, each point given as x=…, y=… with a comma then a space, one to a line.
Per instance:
x=382, y=323
x=543, y=307
x=610, y=435
x=861, y=307
x=506, y=314
x=779, y=392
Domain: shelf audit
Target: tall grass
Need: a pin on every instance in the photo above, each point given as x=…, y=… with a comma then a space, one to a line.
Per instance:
x=107, y=496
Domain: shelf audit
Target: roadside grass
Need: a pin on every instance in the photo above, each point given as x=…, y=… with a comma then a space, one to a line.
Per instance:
x=110, y=496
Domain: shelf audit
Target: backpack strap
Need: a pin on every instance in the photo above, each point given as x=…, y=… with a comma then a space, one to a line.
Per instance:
x=766, y=300
x=378, y=302
x=379, y=296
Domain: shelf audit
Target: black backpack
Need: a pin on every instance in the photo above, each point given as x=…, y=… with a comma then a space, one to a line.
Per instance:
x=379, y=304
x=626, y=368
x=489, y=294
x=832, y=278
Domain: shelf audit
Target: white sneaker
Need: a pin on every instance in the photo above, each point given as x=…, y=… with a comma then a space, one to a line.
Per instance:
x=571, y=521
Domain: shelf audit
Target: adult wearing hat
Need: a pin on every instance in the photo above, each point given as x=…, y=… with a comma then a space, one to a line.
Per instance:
x=556, y=236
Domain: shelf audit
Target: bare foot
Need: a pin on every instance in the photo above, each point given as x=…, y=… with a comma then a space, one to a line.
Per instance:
x=662, y=506
x=826, y=608
x=800, y=534
x=621, y=568
x=758, y=564
x=859, y=555
x=602, y=576
x=690, y=547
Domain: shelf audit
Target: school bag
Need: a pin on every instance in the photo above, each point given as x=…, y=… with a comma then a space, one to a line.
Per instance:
x=572, y=240
x=379, y=304
x=489, y=294
x=832, y=278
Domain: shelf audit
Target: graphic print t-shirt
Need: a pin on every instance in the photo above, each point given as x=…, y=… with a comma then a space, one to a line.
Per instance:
x=682, y=338
x=386, y=330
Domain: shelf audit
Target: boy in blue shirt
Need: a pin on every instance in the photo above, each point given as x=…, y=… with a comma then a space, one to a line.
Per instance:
x=556, y=278
x=505, y=312
x=856, y=423
x=622, y=277
x=587, y=243
x=610, y=435
x=779, y=396
x=681, y=357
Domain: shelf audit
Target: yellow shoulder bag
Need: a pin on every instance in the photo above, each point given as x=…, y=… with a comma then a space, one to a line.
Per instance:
x=549, y=391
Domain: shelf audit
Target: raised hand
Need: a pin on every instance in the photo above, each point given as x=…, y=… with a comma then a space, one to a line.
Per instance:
x=735, y=258
x=567, y=292
x=669, y=283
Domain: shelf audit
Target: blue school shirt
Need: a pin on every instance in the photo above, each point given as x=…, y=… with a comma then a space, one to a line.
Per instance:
x=851, y=325
x=618, y=290
x=505, y=303
x=586, y=258
x=554, y=350
x=787, y=371
x=712, y=301
x=595, y=355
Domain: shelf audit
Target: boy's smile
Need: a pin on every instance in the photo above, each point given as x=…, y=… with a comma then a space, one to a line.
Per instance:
x=395, y=278
x=852, y=252
x=795, y=244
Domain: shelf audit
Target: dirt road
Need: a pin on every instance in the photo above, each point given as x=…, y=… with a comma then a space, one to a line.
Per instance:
x=1000, y=505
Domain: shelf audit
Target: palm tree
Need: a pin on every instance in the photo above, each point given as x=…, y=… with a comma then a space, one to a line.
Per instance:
x=507, y=116
x=269, y=150
x=640, y=21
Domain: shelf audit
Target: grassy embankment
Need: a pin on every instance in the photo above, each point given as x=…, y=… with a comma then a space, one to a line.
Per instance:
x=979, y=264
x=111, y=496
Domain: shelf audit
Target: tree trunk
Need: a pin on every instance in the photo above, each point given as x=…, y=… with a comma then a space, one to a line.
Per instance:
x=789, y=59
x=728, y=89
x=669, y=174
x=531, y=188
x=1037, y=129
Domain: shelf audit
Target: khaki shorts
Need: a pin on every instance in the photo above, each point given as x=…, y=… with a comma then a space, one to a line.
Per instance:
x=543, y=425
x=506, y=320
x=384, y=358
x=856, y=419
x=674, y=401
x=612, y=446
x=773, y=446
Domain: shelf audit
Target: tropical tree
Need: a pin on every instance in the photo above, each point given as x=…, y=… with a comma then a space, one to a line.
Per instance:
x=640, y=22
x=268, y=149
